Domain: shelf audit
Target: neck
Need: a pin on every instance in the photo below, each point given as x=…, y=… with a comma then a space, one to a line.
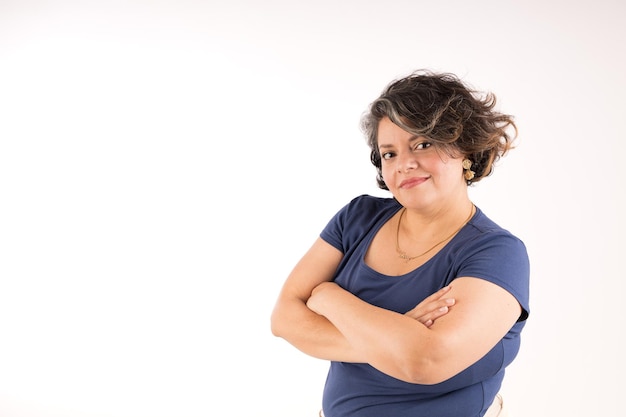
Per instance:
x=425, y=240
x=436, y=219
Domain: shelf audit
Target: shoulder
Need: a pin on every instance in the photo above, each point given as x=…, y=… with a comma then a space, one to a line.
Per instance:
x=485, y=231
x=367, y=205
x=354, y=220
x=366, y=210
x=488, y=251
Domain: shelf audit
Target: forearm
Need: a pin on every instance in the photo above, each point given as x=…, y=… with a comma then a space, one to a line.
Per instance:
x=311, y=333
x=385, y=339
x=406, y=349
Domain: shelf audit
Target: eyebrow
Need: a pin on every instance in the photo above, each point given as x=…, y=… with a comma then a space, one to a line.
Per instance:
x=411, y=140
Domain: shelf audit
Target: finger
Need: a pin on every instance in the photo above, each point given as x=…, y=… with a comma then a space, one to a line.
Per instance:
x=436, y=310
x=442, y=311
x=433, y=315
x=423, y=311
x=439, y=294
x=436, y=305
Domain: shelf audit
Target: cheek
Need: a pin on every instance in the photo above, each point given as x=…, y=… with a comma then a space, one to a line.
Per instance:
x=454, y=172
x=444, y=165
x=446, y=172
x=387, y=172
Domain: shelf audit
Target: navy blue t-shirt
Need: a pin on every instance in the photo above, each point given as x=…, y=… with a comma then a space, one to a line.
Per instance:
x=481, y=249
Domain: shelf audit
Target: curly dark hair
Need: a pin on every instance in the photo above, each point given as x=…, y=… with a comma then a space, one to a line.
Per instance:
x=456, y=118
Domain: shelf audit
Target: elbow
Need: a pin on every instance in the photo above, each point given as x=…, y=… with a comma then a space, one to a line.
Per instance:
x=426, y=368
x=276, y=324
x=423, y=372
x=419, y=371
x=426, y=377
x=274, y=328
x=286, y=319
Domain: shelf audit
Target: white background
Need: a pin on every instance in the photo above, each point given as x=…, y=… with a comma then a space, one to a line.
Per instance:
x=163, y=165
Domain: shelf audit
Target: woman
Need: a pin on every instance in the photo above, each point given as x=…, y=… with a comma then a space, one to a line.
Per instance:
x=418, y=300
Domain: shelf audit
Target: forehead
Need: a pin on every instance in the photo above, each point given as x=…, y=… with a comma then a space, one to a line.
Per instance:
x=389, y=133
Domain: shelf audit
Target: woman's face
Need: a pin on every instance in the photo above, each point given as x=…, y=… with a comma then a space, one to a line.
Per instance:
x=415, y=171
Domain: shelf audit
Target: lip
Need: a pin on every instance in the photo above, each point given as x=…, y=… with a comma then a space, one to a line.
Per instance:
x=412, y=182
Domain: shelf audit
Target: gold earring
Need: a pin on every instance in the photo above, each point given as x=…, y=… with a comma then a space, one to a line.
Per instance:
x=467, y=172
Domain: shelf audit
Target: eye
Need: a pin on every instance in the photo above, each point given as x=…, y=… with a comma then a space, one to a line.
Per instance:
x=422, y=145
x=387, y=155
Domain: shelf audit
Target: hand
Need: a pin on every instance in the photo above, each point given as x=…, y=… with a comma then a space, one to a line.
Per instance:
x=315, y=300
x=432, y=307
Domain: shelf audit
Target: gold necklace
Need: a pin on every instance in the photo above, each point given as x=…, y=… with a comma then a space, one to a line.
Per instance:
x=402, y=254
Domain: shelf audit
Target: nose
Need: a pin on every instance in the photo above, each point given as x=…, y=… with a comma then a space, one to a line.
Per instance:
x=406, y=162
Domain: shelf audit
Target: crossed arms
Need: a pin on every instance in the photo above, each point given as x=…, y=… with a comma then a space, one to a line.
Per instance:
x=443, y=335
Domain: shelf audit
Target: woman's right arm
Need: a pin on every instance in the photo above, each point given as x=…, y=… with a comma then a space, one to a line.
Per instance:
x=314, y=334
x=292, y=320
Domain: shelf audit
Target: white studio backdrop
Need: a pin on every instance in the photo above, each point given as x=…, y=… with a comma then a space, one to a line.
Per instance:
x=164, y=164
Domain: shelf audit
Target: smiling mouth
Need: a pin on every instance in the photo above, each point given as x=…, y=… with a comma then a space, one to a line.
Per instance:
x=412, y=182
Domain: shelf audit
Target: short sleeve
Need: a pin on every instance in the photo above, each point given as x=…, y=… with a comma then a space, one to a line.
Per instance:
x=501, y=258
x=356, y=219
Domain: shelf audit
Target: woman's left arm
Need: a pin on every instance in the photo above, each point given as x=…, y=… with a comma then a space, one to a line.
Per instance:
x=399, y=346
